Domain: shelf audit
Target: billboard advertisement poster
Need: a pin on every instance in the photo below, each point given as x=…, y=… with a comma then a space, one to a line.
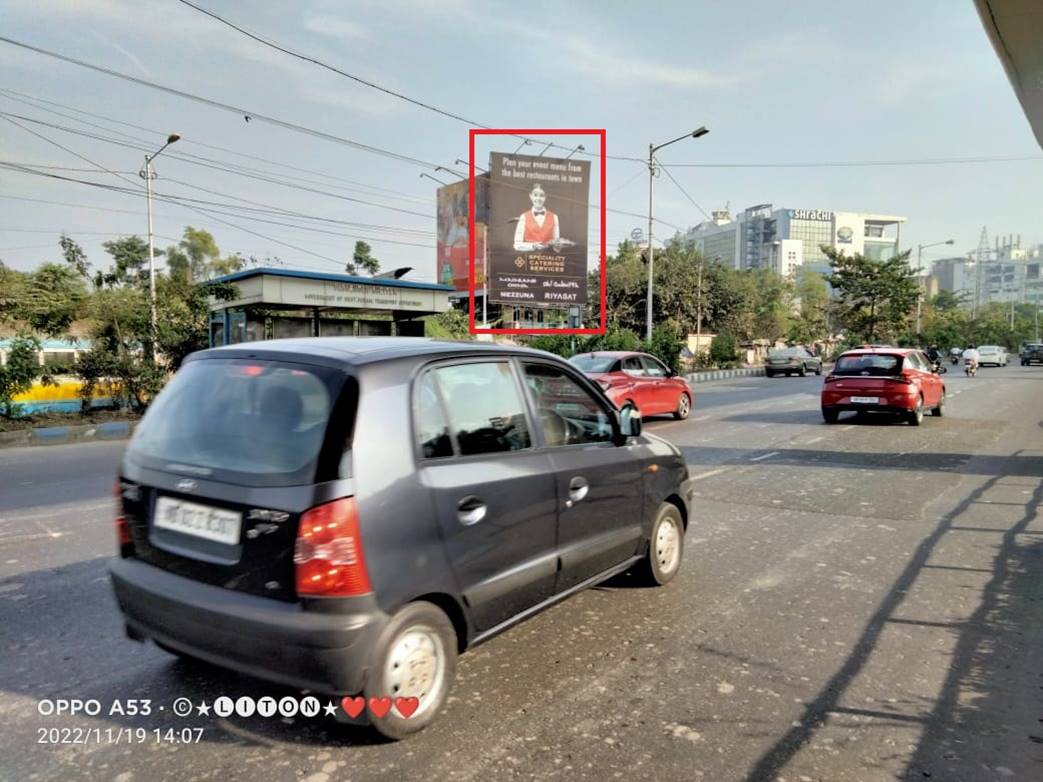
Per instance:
x=453, y=262
x=539, y=208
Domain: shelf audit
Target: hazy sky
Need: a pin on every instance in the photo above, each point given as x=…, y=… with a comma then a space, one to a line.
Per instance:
x=776, y=82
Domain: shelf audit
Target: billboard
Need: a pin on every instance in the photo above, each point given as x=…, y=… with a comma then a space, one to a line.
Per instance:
x=537, y=236
x=453, y=263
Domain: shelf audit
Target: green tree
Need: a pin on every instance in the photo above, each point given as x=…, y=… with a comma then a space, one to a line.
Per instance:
x=50, y=298
x=812, y=296
x=362, y=260
x=12, y=285
x=876, y=298
x=130, y=264
x=75, y=256
x=201, y=252
x=18, y=373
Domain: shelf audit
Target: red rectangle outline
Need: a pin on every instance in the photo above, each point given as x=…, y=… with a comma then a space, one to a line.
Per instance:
x=470, y=229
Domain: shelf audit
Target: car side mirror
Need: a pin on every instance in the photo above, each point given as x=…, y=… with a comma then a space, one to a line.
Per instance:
x=629, y=421
x=941, y=370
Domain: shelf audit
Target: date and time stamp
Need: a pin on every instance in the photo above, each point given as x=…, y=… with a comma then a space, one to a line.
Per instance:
x=184, y=709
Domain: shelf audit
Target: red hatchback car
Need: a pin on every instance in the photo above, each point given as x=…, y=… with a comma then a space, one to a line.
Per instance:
x=639, y=378
x=883, y=380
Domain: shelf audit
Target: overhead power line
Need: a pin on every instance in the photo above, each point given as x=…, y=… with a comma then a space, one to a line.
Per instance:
x=35, y=102
x=215, y=165
x=684, y=192
x=254, y=115
x=862, y=163
x=366, y=82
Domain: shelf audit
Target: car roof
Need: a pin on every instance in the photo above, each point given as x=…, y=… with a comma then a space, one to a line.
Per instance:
x=360, y=350
x=879, y=351
x=612, y=353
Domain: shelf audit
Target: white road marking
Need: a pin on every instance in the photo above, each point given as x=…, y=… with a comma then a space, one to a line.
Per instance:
x=845, y=428
x=702, y=475
x=814, y=440
x=764, y=456
x=78, y=508
x=703, y=418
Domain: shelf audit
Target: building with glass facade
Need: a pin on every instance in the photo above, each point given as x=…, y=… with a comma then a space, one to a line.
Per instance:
x=785, y=239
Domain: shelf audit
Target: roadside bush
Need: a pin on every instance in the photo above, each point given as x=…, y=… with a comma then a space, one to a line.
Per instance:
x=724, y=350
x=131, y=380
x=665, y=346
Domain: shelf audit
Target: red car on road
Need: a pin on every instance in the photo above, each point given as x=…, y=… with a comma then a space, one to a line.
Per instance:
x=883, y=380
x=639, y=378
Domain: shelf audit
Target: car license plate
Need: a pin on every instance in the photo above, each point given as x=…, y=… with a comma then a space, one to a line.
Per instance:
x=201, y=521
x=865, y=400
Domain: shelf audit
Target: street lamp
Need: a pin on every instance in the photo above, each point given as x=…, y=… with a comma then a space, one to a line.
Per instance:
x=919, y=282
x=652, y=149
x=439, y=181
x=148, y=175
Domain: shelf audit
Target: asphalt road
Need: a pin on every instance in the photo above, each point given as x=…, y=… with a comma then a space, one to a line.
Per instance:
x=858, y=602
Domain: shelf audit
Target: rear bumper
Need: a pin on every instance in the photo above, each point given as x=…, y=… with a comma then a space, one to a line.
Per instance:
x=324, y=651
x=889, y=403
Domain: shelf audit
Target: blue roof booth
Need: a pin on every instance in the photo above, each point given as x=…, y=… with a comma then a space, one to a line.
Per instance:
x=278, y=303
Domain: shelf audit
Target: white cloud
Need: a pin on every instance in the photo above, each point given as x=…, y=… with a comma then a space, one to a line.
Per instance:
x=335, y=27
x=358, y=101
x=620, y=69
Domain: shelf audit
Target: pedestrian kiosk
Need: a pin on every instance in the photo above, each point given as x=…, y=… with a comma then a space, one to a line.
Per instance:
x=274, y=303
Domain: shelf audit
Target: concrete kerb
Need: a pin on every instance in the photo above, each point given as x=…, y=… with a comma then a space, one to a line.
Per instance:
x=59, y=435
x=724, y=374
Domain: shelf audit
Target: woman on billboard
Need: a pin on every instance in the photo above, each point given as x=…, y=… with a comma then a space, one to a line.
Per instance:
x=538, y=228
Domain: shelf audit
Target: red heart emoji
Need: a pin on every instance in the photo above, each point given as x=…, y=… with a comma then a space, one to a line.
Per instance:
x=380, y=706
x=353, y=706
x=407, y=706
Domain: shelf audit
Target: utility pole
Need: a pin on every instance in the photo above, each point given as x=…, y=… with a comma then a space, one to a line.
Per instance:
x=699, y=314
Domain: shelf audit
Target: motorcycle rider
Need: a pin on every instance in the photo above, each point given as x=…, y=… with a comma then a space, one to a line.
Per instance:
x=934, y=354
x=970, y=359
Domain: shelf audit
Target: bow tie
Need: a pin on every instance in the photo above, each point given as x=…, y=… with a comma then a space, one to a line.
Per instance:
x=539, y=211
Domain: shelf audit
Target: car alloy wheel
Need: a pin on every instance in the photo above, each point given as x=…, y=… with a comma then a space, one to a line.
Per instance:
x=916, y=416
x=939, y=411
x=684, y=407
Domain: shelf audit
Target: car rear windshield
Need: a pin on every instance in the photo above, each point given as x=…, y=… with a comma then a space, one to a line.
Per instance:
x=593, y=364
x=873, y=365
x=784, y=352
x=250, y=422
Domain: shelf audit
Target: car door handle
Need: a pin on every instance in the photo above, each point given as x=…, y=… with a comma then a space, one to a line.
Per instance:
x=578, y=488
x=471, y=510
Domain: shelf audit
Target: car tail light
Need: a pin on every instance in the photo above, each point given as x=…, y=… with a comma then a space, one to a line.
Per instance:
x=604, y=384
x=120, y=522
x=831, y=378
x=328, y=554
x=905, y=381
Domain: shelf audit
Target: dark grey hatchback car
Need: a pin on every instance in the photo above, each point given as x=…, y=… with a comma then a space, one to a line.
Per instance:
x=346, y=515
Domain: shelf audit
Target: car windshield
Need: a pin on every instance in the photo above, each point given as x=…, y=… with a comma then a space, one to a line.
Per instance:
x=591, y=363
x=242, y=421
x=871, y=364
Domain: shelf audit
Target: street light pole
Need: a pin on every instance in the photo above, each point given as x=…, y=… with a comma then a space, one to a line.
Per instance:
x=652, y=149
x=148, y=175
x=920, y=282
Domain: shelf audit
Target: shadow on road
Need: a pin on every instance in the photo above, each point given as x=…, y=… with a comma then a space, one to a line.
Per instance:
x=966, y=463
x=978, y=687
